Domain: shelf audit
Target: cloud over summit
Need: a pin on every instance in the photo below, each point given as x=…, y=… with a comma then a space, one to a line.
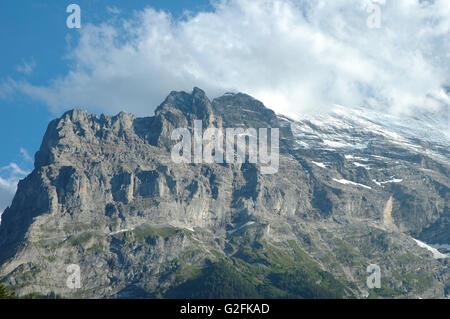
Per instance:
x=293, y=55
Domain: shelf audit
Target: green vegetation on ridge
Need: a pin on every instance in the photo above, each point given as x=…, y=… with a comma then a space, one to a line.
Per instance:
x=261, y=271
x=4, y=293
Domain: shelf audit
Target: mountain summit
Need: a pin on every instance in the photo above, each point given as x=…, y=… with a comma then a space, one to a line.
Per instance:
x=106, y=196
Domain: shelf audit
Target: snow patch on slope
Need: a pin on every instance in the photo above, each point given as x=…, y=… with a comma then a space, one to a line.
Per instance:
x=347, y=182
x=243, y=226
x=436, y=253
x=121, y=231
x=322, y=165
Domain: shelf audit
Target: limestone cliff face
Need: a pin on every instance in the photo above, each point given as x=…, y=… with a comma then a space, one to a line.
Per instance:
x=106, y=195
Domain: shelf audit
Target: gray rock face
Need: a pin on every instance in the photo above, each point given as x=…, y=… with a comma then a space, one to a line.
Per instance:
x=106, y=195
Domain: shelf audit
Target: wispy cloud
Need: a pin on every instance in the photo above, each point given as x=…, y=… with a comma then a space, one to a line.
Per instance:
x=10, y=175
x=26, y=67
x=113, y=10
x=294, y=55
x=8, y=87
x=8, y=184
x=26, y=155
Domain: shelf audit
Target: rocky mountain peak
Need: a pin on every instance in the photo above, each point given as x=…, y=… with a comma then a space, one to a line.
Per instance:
x=184, y=104
x=243, y=109
x=105, y=195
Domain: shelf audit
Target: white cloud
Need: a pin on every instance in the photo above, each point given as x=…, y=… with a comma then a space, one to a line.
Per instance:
x=26, y=156
x=7, y=190
x=26, y=67
x=8, y=87
x=113, y=10
x=9, y=177
x=293, y=55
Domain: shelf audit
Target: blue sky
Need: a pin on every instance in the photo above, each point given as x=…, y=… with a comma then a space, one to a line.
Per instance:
x=294, y=55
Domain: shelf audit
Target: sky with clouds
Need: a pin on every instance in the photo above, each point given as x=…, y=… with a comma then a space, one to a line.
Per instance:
x=36, y=49
x=294, y=55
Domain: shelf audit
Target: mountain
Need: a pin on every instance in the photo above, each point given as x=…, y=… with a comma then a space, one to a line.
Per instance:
x=353, y=188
